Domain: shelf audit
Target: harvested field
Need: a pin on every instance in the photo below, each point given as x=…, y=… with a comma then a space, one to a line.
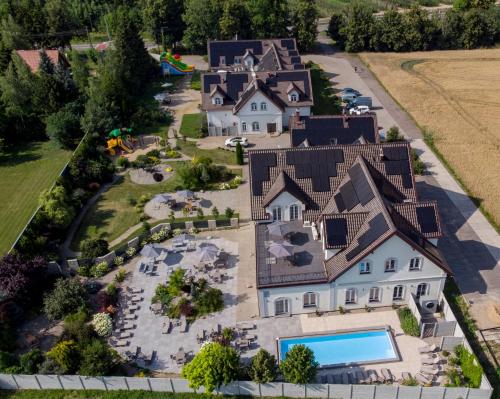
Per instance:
x=456, y=95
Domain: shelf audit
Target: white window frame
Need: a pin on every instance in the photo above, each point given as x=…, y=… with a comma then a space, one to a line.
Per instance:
x=426, y=291
x=365, y=267
x=253, y=106
x=277, y=214
x=254, y=125
x=350, y=296
x=263, y=106
x=390, y=265
x=416, y=263
x=293, y=212
x=400, y=290
x=223, y=60
x=243, y=126
x=217, y=101
x=374, y=298
x=293, y=97
x=237, y=60
x=285, y=306
x=310, y=300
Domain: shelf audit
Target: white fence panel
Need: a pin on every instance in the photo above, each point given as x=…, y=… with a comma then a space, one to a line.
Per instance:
x=7, y=382
x=340, y=391
x=409, y=392
x=138, y=384
x=26, y=381
x=160, y=384
x=433, y=393
x=115, y=383
x=249, y=388
x=480, y=394
x=271, y=389
x=456, y=393
x=363, y=391
x=317, y=390
x=49, y=381
x=230, y=389
x=294, y=391
x=183, y=386
x=386, y=392
x=93, y=383
x=71, y=382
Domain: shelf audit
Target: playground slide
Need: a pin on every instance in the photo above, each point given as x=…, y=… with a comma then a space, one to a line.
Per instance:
x=174, y=66
x=125, y=145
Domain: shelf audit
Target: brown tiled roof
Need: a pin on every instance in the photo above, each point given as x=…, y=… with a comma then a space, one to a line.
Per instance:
x=254, y=87
x=284, y=183
x=32, y=58
x=369, y=186
x=411, y=211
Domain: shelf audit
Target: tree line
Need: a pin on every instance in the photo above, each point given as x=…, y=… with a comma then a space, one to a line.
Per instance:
x=469, y=24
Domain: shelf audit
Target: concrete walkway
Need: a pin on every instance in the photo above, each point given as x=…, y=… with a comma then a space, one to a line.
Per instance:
x=471, y=245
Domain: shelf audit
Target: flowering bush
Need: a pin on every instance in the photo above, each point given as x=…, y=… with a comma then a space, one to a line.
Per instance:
x=157, y=237
x=102, y=323
x=118, y=260
x=131, y=251
x=224, y=186
x=235, y=182
x=193, y=230
x=177, y=232
x=100, y=269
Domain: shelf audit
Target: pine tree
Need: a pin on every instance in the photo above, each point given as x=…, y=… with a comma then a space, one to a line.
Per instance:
x=239, y=153
x=304, y=18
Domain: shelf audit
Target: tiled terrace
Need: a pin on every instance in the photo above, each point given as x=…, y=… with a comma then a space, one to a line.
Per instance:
x=308, y=258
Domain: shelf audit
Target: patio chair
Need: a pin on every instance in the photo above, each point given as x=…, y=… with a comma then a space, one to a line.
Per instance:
x=142, y=266
x=374, y=376
x=406, y=376
x=422, y=380
x=427, y=349
x=366, y=377
x=429, y=370
x=151, y=359
x=429, y=361
x=386, y=373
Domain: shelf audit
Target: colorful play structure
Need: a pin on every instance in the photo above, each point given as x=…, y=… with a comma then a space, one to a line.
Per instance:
x=173, y=65
x=120, y=138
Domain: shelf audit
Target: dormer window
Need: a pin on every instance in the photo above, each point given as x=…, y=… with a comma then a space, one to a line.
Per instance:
x=263, y=106
x=253, y=106
x=237, y=60
x=293, y=97
x=217, y=101
x=223, y=60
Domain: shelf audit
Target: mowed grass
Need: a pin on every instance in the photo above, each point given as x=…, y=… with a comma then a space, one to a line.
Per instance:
x=24, y=173
x=114, y=213
x=325, y=100
x=218, y=155
x=456, y=95
x=191, y=125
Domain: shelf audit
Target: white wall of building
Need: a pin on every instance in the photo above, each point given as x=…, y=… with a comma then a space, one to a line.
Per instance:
x=289, y=111
x=331, y=296
x=272, y=114
x=222, y=118
x=284, y=201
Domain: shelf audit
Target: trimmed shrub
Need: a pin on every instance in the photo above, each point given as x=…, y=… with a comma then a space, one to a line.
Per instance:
x=93, y=248
x=100, y=269
x=299, y=365
x=263, y=368
x=409, y=323
x=102, y=323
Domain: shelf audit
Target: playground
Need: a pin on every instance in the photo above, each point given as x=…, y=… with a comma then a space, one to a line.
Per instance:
x=173, y=65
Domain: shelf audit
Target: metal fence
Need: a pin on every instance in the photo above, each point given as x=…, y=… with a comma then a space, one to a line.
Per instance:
x=243, y=388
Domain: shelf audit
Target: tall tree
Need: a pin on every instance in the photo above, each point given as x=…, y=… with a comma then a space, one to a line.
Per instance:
x=420, y=31
x=390, y=31
x=13, y=35
x=335, y=28
x=164, y=17
x=452, y=28
x=480, y=28
x=469, y=4
x=59, y=20
x=20, y=276
x=359, y=27
x=202, y=22
x=304, y=19
x=235, y=20
x=30, y=16
x=269, y=18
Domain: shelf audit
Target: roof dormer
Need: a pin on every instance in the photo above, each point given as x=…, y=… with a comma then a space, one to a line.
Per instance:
x=217, y=95
x=293, y=92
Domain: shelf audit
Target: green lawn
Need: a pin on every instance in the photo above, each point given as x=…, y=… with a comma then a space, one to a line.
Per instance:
x=325, y=101
x=191, y=125
x=113, y=213
x=218, y=155
x=196, y=81
x=24, y=173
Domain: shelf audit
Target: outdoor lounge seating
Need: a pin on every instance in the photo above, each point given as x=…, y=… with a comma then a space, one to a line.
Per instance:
x=430, y=360
x=374, y=376
x=422, y=380
x=427, y=349
x=387, y=375
x=128, y=326
x=429, y=370
x=183, y=324
x=125, y=335
x=121, y=342
x=167, y=326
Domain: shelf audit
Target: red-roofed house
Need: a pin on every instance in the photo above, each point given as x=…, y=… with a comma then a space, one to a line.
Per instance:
x=32, y=58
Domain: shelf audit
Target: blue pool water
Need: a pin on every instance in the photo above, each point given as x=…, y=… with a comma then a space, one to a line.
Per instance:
x=342, y=348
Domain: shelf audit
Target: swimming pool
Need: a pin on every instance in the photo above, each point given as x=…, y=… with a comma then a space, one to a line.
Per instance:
x=342, y=348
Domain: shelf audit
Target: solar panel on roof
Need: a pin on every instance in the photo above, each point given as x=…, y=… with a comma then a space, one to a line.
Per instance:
x=339, y=202
x=260, y=164
x=392, y=167
x=349, y=195
x=361, y=185
x=297, y=67
x=407, y=181
x=288, y=44
x=427, y=219
x=209, y=80
x=377, y=227
x=336, y=232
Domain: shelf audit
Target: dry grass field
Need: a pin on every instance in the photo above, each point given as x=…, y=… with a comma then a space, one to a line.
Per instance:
x=456, y=95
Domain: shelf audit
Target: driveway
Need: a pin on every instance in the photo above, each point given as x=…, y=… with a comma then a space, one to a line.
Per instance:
x=255, y=141
x=470, y=245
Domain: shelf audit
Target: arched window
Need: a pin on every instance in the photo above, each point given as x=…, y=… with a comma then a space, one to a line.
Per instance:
x=253, y=106
x=422, y=289
x=281, y=306
x=293, y=97
x=398, y=293
x=263, y=106
x=310, y=300
x=244, y=126
x=374, y=294
x=390, y=265
x=255, y=126
x=294, y=212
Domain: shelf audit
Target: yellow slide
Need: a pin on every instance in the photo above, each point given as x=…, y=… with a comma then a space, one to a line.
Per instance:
x=123, y=146
x=112, y=143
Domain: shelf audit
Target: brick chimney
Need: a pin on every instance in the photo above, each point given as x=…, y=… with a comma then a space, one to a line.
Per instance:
x=345, y=121
x=296, y=117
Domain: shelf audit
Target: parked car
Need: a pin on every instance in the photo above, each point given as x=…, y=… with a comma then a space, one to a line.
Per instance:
x=348, y=97
x=361, y=101
x=359, y=110
x=350, y=90
x=231, y=142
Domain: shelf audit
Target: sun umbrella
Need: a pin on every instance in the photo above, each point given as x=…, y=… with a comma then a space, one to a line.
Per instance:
x=281, y=249
x=151, y=250
x=279, y=229
x=207, y=254
x=182, y=238
x=185, y=194
x=162, y=198
x=167, y=84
